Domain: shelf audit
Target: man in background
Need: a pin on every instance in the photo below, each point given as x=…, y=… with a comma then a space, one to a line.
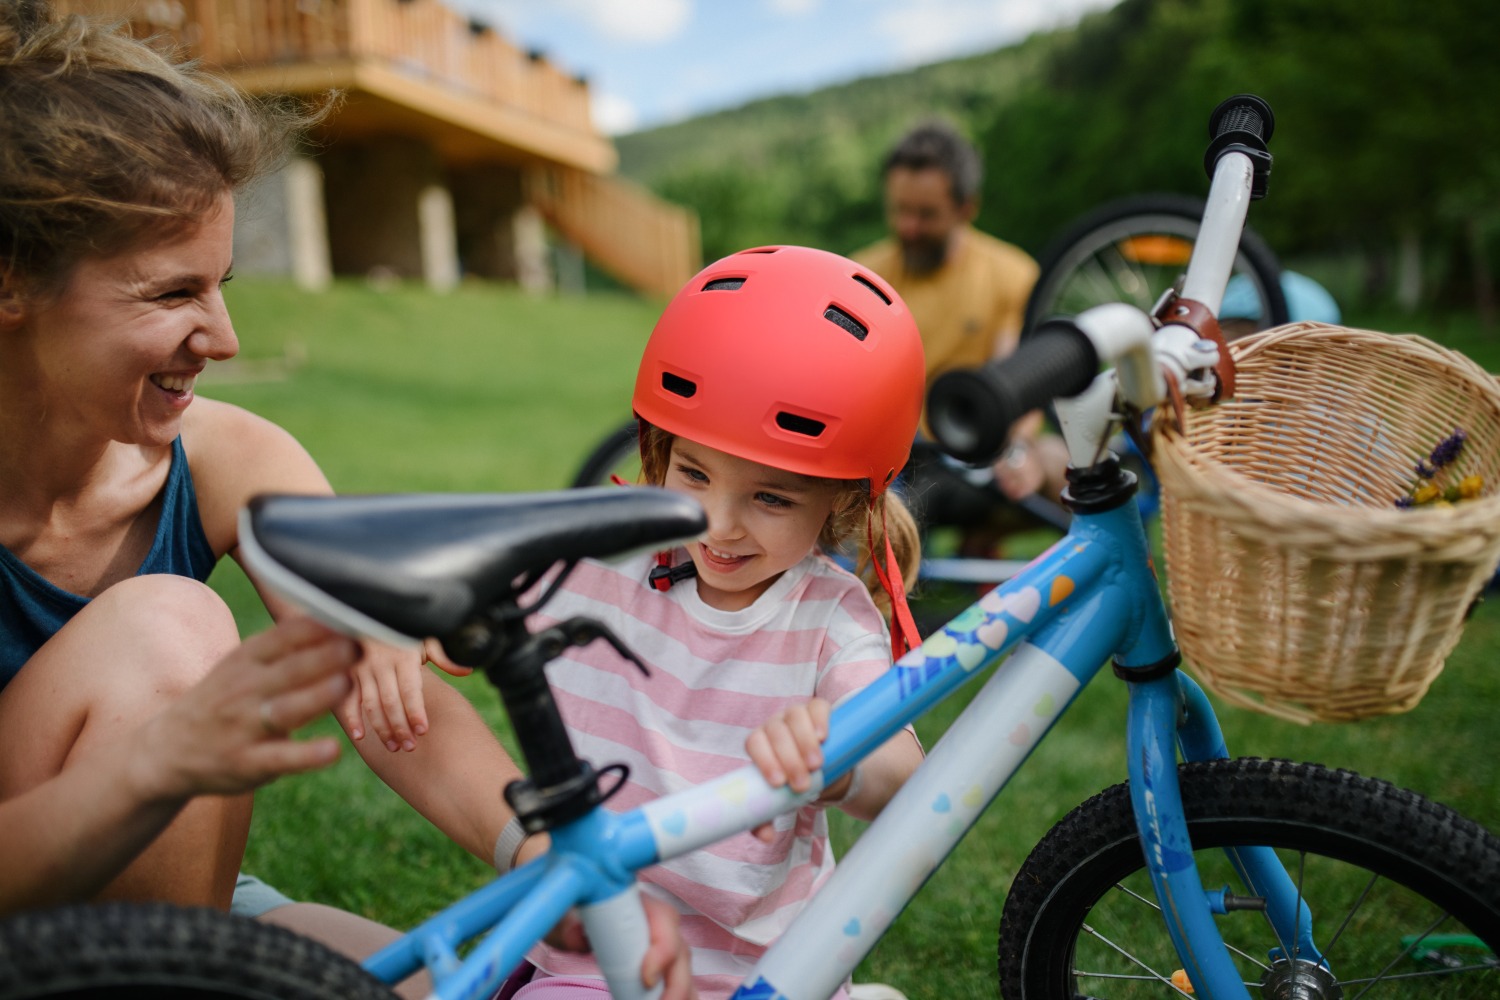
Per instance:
x=967, y=291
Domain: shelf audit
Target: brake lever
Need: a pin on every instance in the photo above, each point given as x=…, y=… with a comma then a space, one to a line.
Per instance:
x=582, y=631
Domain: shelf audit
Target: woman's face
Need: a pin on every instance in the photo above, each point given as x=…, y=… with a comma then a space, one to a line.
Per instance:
x=117, y=352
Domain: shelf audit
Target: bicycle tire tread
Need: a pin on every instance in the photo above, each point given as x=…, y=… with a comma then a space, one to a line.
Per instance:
x=1456, y=859
x=74, y=948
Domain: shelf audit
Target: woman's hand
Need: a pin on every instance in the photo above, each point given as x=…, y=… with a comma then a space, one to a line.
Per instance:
x=229, y=733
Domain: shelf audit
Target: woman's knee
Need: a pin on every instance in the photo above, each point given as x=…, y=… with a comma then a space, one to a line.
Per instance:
x=168, y=630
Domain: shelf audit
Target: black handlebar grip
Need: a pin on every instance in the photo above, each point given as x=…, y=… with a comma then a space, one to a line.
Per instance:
x=1242, y=124
x=970, y=410
x=1245, y=114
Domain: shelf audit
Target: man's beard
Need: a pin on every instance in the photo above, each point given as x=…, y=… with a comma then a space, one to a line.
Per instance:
x=923, y=257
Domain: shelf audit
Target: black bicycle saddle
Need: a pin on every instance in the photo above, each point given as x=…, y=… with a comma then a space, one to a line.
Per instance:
x=419, y=565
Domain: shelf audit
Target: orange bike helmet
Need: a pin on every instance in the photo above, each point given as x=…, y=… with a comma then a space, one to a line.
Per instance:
x=792, y=357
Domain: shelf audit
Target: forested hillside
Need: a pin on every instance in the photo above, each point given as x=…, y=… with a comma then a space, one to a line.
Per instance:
x=1387, y=149
x=804, y=168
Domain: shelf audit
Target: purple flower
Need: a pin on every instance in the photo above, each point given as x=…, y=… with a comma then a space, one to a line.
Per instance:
x=1404, y=502
x=1448, y=449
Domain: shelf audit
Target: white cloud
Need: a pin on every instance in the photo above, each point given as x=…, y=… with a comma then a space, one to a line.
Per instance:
x=612, y=114
x=793, y=8
x=930, y=30
x=646, y=21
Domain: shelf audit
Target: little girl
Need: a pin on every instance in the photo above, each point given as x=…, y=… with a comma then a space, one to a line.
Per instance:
x=781, y=389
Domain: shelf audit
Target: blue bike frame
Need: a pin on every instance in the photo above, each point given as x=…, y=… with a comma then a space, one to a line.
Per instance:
x=1090, y=599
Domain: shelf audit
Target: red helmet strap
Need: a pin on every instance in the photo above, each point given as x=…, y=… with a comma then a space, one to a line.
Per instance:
x=904, y=635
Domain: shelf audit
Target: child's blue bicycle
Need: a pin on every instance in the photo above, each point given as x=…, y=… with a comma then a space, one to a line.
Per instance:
x=1218, y=878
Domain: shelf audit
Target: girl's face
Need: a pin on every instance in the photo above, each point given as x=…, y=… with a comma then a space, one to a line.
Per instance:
x=761, y=521
x=117, y=352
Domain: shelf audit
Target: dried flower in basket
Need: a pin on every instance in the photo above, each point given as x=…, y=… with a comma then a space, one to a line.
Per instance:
x=1427, y=491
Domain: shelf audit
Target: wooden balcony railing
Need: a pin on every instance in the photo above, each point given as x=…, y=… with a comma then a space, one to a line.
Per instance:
x=423, y=38
x=647, y=243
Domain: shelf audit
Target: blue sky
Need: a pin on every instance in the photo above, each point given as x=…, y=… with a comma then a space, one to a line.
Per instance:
x=650, y=62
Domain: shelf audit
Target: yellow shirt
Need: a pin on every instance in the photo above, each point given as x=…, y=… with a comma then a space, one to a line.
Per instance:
x=964, y=307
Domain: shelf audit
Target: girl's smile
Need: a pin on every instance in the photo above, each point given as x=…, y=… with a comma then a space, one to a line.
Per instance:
x=762, y=521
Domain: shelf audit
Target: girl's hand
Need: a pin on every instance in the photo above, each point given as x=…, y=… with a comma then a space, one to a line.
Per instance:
x=228, y=733
x=667, y=955
x=788, y=749
x=438, y=657
x=387, y=697
x=387, y=694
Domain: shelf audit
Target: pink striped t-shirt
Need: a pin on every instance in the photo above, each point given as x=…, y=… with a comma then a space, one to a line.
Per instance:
x=715, y=677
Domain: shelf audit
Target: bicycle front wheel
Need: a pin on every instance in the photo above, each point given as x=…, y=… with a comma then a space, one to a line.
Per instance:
x=169, y=953
x=1135, y=248
x=1402, y=891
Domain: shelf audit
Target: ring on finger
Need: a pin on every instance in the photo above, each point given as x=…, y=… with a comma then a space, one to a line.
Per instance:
x=266, y=722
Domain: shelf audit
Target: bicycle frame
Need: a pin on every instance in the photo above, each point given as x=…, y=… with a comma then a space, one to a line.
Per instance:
x=1091, y=598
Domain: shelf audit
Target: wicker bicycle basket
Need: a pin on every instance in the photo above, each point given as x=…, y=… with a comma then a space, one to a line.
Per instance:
x=1297, y=585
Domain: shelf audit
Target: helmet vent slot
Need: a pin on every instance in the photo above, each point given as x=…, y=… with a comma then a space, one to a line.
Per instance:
x=847, y=323
x=873, y=287
x=678, y=386
x=723, y=284
x=800, y=425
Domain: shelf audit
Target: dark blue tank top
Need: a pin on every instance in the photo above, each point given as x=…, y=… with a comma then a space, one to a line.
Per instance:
x=32, y=609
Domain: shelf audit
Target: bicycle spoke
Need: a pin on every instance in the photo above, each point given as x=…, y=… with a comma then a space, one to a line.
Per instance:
x=1140, y=290
x=1092, y=280
x=1152, y=974
x=1349, y=917
x=1157, y=907
x=1426, y=974
x=1381, y=975
x=1131, y=280
x=1280, y=942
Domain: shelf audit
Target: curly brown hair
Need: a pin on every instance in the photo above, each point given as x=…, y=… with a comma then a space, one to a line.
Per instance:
x=105, y=141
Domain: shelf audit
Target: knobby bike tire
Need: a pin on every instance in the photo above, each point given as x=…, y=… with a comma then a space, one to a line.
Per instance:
x=1336, y=830
x=607, y=456
x=169, y=953
x=1143, y=214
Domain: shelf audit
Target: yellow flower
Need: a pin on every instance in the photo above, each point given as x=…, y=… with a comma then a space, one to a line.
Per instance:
x=1470, y=487
x=1426, y=493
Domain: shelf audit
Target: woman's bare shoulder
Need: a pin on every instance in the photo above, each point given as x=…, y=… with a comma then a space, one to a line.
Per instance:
x=233, y=455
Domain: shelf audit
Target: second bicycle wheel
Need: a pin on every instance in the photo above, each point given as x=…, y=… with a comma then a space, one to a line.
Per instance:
x=619, y=454
x=1405, y=893
x=1133, y=249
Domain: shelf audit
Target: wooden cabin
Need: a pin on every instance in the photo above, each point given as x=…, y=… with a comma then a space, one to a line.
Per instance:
x=452, y=153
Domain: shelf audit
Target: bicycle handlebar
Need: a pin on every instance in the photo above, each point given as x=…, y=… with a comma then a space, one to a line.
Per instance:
x=970, y=410
x=1242, y=124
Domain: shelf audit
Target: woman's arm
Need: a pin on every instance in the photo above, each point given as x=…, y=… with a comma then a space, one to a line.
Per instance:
x=454, y=773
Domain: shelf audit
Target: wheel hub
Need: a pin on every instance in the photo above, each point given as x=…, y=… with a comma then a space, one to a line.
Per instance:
x=1299, y=980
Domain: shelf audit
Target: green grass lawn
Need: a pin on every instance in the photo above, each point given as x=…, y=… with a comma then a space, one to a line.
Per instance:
x=486, y=389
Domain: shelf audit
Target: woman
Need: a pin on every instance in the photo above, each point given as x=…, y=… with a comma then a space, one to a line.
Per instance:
x=119, y=490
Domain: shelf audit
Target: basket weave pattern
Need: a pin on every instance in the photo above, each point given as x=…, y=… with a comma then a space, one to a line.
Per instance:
x=1297, y=587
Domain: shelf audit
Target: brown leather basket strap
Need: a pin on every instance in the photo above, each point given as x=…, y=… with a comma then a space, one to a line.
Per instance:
x=1174, y=396
x=1197, y=316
